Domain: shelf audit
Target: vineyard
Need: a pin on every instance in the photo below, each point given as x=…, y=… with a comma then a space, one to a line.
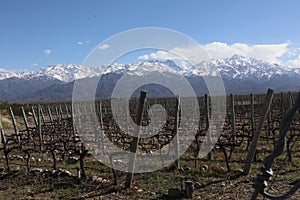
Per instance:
x=52, y=150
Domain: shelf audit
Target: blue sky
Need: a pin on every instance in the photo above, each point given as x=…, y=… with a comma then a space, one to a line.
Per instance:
x=35, y=33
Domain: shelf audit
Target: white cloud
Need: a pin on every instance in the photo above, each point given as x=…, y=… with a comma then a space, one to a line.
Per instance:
x=283, y=53
x=159, y=55
x=295, y=62
x=3, y=70
x=144, y=57
x=47, y=52
x=103, y=46
x=194, y=54
x=35, y=64
x=83, y=42
x=267, y=52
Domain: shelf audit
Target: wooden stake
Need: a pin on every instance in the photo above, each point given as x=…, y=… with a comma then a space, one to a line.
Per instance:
x=232, y=119
x=252, y=113
x=206, y=102
x=40, y=129
x=50, y=114
x=25, y=120
x=42, y=115
x=3, y=138
x=34, y=117
x=257, y=132
x=134, y=144
x=176, y=124
x=15, y=124
x=67, y=110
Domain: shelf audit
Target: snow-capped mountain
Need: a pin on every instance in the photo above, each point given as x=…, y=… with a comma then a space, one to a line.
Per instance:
x=235, y=67
x=62, y=72
x=71, y=72
x=5, y=74
x=239, y=67
x=240, y=75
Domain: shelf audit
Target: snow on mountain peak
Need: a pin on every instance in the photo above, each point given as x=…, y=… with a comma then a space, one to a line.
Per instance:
x=236, y=66
x=61, y=72
x=241, y=67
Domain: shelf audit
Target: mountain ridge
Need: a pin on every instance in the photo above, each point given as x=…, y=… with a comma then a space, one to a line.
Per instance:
x=240, y=75
x=233, y=67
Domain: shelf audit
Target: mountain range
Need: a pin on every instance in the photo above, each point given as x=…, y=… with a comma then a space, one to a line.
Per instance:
x=240, y=75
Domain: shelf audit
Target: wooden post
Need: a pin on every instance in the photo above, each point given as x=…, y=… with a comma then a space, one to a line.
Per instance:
x=257, y=132
x=72, y=119
x=25, y=120
x=134, y=144
x=252, y=112
x=282, y=103
x=15, y=124
x=40, y=129
x=34, y=117
x=206, y=111
x=267, y=173
x=3, y=138
x=232, y=119
x=101, y=126
x=82, y=155
x=269, y=123
x=67, y=110
x=113, y=170
x=57, y=113
x=60, y=112
x=290, y=100
x=176, y=124
x=100, y=115
x=127, y=117
x=42, y=115
x=241, y=102
x=50, y=114
x=189, y=189
x=206, y=102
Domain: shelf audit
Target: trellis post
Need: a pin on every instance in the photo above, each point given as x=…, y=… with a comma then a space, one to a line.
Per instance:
x=25, y=120
x=232, y=119
x=40, y=128
x=134, y=144
x=15, y=124
x=206, y=102
x=176, y=135
x=257, y=132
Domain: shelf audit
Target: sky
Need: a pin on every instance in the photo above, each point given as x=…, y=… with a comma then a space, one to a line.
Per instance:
x=35, y=33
